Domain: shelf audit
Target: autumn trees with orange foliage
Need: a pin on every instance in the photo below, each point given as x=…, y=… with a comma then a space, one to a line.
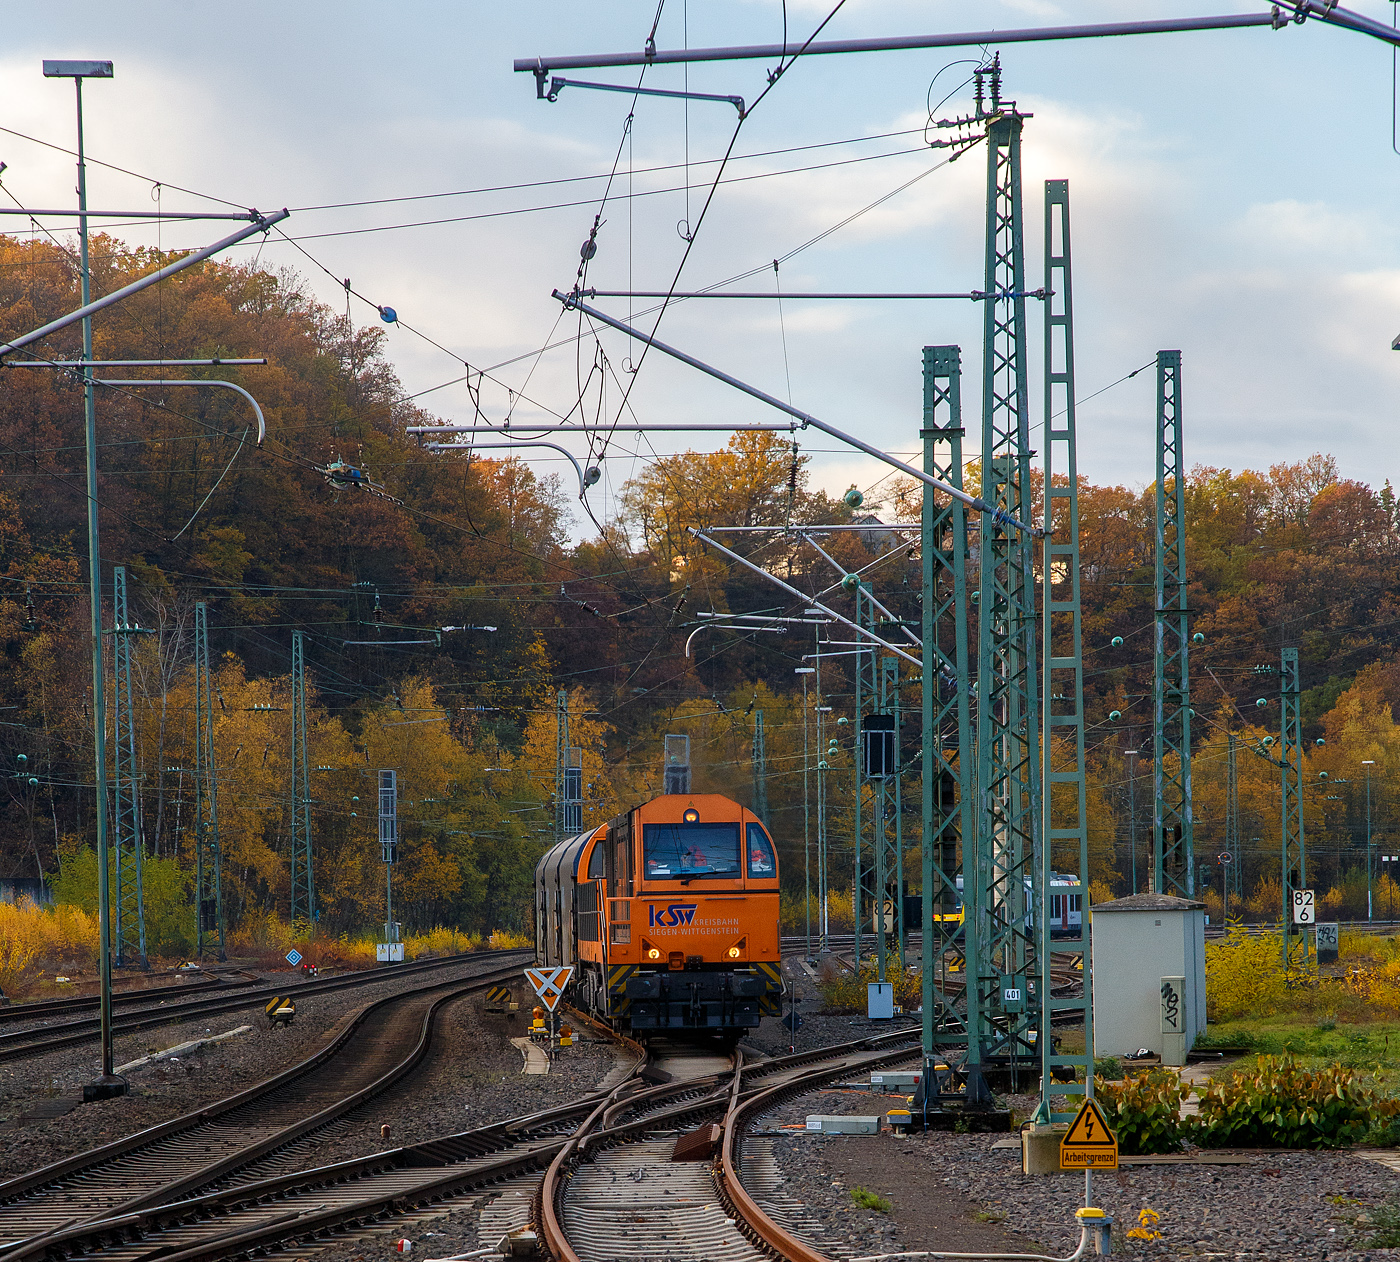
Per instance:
x=1292, y=555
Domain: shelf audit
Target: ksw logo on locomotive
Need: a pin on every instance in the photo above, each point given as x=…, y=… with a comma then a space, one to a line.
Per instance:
x=672, y=916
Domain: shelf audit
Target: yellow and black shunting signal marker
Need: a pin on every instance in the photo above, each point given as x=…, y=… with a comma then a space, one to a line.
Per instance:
x=281, y=1009
x=499, y=999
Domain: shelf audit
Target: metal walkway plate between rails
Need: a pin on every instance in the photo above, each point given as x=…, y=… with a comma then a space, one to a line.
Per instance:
x=405, y=1186
x=635, y=1202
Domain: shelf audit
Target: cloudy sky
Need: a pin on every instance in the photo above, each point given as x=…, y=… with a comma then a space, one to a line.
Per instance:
x=1233, y=195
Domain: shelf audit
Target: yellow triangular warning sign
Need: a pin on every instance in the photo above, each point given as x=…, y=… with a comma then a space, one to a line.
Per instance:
x=1089, y=1129
x=1089, y=1141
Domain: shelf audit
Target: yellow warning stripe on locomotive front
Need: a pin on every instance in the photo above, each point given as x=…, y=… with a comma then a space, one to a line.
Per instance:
x=618, y=975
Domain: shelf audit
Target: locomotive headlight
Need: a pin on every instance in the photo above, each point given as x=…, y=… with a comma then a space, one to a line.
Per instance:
x=733, y=953
x=691, y=816
x=654, y=954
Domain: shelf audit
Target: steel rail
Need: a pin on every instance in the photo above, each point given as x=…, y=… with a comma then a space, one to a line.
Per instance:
x=33, y=1011
x=16, y=1189
x=827, y=1063
x=747, y=1211
x=19, y=1043
x=467, y=1156
x=211, y=1173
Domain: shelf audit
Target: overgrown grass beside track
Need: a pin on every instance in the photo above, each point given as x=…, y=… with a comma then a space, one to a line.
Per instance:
x=40, y=944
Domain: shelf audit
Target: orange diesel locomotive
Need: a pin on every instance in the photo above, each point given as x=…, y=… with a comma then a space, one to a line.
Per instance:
x=669, y=914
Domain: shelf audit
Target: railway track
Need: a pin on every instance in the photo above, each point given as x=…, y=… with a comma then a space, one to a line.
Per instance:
x=614, y=1190
x=41, y=1039
x=255, y=1216
x=38, y=1009
x=253, y=1135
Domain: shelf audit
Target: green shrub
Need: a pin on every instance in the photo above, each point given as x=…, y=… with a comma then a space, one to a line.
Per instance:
x=1108, y=1067
x=1144, y=1111
x=1279, y=1104
x=1384, y=1132
x=1385, y=1227
x=870, y=1200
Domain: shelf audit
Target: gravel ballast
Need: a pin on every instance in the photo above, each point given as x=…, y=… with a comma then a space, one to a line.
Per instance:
x=43, y=1121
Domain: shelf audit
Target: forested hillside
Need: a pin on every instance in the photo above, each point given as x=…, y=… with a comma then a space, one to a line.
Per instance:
x=394, y=590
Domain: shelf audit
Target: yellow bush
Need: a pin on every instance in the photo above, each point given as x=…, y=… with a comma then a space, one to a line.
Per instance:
x=261, y=933
x=1244, y=975
x=1354, y=947
x=841, y=992
x=1266, y=903
x=439, y=941
x=33, y=939
x=840, y=914
x=505, y=940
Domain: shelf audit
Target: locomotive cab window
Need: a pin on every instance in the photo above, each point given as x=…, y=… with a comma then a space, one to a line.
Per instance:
x=682, y=852
x=598, y=861
x=760, y=848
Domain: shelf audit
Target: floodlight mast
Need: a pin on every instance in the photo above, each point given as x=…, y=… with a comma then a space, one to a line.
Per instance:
x=109, y=1083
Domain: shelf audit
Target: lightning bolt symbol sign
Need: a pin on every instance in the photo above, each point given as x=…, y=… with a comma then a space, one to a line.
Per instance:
x=1089, y=1129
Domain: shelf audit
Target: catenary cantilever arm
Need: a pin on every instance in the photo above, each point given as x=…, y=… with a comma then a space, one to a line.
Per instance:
x=806, y=599
x=228, y=385
x=583, y=483
x=974, y=502
x=195, y=256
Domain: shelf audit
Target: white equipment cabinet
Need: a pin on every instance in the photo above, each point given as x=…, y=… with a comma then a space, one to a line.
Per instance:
x=1149, y=964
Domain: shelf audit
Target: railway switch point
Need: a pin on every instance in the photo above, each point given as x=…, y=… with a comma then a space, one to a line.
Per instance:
x=698, y=1145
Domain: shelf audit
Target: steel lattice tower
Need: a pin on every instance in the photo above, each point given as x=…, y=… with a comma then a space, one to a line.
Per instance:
x=1062, y=703
x=948, y=764
x=208, y=851
x=561, y=759
x=128, y=905
x=889, y=826
x=1008, y=748
x=1173, y=865
x=760, y=769
x=303, y=878
x=1234, y=876
x=568, y=774
x=866, y=893
x=1295, y=870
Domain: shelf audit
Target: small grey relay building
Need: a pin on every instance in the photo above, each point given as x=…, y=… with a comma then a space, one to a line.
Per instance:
x=1149, y=961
